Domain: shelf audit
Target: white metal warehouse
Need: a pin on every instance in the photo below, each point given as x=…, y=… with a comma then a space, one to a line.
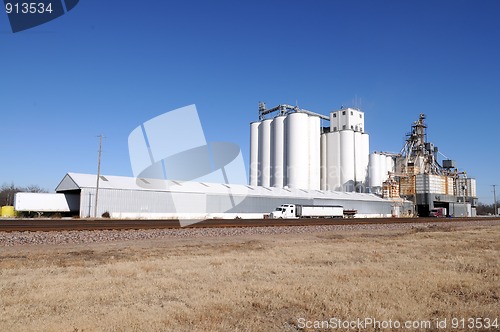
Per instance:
x=128, y=197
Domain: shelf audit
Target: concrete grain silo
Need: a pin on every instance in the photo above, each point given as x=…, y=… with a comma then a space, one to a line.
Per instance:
x=264, y=154
x=323, y=162
x=314, y=153
x=278, y=164
x=297, y=150
x=333, y=179
x=254, y=153
x=293, y=152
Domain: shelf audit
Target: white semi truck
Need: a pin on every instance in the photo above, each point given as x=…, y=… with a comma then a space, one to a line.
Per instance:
x=291, y=211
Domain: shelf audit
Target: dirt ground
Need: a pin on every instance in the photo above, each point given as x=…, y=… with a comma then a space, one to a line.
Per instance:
x=289, y=282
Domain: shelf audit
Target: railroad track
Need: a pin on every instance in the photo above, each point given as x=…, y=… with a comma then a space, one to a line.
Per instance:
x=46, y=225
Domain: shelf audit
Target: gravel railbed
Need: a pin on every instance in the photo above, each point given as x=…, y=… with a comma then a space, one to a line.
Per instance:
x=9, y=239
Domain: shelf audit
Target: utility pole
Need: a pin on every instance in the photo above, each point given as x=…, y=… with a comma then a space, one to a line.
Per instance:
x=495, y=199
x=98, y=175
x=464, y=187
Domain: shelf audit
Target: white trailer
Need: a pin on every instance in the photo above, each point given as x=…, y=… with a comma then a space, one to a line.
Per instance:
x=290, y=211
x=46, y=202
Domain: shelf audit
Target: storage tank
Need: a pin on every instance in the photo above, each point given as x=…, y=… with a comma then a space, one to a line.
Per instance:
x=265, y=153
x=254, y=153
x=383, y=167
x=333, y=161
x=357, y=156
x=347, y=160
x=365, y=152
x=374, y=171
x=297, y=150
x=389, y=166
x=323, y=165
x=8, y=212
x=277, y=151
x=314, y=153
x=470, y=187
x=359, y=161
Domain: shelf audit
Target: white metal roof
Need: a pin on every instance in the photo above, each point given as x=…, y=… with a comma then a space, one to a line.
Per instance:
x=76, y=181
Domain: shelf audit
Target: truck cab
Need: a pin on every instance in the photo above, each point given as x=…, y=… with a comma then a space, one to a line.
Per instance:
x=439, y=212
x=284, y=211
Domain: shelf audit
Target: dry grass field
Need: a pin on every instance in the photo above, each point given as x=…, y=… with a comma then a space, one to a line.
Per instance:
x=253, y=283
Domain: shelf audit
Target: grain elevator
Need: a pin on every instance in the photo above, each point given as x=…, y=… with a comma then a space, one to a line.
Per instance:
x=301, y=149
x=416, y=174
x=293, y=148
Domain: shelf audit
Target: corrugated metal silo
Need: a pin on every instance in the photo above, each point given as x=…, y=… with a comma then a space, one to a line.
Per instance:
x=297, y=150
x=278, y=152
x=265, y=153
x=314, y=153
x=333, y=161
x=254, y=153
x=347, y=160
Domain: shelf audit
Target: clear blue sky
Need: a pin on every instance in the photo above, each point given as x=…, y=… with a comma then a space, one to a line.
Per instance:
x=108, y=66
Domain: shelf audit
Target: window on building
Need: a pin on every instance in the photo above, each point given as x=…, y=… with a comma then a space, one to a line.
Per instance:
x=361, y=116
x=352, y=127
x=334, y=128
x=352, y=113
x=343, y=127
x=343, y=112
x=334, y=115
